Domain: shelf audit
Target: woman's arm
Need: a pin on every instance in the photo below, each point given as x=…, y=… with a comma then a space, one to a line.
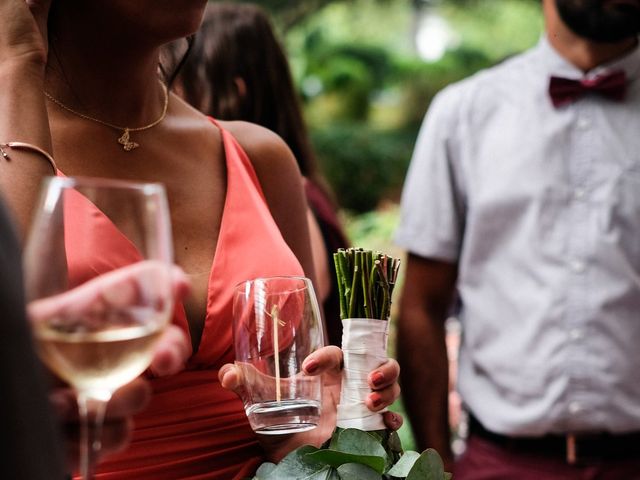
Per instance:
x=281, y=183
x=23, y=114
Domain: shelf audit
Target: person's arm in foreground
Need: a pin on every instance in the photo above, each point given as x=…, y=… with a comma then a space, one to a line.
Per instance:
x=169, y=356
x=428, y=290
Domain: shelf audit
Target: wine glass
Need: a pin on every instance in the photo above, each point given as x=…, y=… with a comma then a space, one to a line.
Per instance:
x=276, y=325
x=98, y=265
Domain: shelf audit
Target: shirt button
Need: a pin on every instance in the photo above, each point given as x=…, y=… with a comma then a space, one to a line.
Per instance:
x=579, y=193
x=575, y=334
x=575, y=407
x=583, y=123
x=577, y=266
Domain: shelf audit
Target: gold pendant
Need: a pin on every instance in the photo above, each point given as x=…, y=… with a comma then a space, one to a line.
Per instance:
x=126, y=143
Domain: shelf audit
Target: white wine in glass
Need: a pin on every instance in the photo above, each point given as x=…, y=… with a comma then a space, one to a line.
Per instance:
x=98, y=265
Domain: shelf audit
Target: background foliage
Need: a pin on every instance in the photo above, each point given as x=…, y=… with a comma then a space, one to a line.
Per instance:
x=365, y=88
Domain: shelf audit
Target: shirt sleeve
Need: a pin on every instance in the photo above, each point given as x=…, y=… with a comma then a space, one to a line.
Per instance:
x=433, y=199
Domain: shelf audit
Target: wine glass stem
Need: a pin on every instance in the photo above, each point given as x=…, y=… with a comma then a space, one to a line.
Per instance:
x=90, y=405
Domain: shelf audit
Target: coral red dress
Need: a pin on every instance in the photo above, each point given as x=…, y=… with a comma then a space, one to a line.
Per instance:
x=195, y=429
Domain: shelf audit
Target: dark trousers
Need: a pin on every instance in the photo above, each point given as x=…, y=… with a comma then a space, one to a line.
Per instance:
x=485, y=460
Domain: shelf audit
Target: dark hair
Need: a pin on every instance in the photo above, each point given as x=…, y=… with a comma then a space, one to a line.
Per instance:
x=237, y=42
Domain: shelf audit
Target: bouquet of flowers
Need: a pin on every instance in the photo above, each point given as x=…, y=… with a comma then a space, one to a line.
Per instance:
x=361, y=448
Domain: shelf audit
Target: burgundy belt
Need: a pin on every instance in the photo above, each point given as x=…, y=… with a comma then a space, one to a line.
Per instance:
x=574, y=448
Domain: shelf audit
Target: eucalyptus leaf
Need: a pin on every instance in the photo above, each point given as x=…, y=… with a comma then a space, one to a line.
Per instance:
x=296, y=466
x=333, y=444
x=264, y=471
x=357, y=471
x=393, y=442
x=352, y=440
x=402, y=468
x=336, y=458
x=427, y=467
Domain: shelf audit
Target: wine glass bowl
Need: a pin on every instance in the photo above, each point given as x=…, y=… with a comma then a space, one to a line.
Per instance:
x=98, y=265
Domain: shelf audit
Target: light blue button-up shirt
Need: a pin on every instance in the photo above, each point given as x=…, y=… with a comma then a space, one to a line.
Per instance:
x=540, y=207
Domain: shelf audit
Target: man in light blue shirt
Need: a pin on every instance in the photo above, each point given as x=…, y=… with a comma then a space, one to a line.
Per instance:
x=523, y=196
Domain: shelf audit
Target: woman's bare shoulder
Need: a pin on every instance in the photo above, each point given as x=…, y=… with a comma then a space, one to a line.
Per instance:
x=271, y=157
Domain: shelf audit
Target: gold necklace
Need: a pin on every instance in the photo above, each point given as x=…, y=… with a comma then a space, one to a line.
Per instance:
x=125, y=139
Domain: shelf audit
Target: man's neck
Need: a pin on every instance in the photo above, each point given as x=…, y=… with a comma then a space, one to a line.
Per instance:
x=583, y=53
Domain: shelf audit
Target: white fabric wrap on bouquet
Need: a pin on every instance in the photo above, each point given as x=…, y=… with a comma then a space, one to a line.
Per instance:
x=364, y=346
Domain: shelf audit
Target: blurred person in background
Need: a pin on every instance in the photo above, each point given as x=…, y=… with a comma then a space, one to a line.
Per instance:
x=31, y=440
x=237, y=69
x=523, y=195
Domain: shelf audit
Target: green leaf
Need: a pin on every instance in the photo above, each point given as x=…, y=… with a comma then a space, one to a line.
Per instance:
x=352, y=440
x=352, y=446
x=427, y=467
x=357, y=471
x=393, y=443
x=448, y=476
x=333, y=444
x=336, y=459
x=296, y=466
x=402, y=468
x=264, y=471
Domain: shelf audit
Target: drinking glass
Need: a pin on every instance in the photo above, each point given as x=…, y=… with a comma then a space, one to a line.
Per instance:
x=98, y=265
x=276, y=325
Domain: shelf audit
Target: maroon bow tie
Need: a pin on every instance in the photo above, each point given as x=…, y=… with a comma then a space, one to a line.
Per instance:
x=564, y=91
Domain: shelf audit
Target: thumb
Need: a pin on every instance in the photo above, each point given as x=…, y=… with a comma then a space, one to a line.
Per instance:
x=230, y=378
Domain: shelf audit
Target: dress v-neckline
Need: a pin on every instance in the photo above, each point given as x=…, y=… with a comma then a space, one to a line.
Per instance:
x=221, y=232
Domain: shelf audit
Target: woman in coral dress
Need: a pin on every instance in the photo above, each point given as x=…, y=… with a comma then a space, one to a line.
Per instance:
x=82, y=81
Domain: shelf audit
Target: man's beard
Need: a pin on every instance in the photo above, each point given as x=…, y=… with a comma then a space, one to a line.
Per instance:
x=601, y=22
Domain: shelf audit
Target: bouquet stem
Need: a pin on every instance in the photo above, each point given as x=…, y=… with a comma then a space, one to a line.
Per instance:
x=364, y=346
x=365, y=285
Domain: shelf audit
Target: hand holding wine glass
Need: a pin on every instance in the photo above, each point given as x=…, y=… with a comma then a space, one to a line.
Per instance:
x=289, y=382
x=96, y=324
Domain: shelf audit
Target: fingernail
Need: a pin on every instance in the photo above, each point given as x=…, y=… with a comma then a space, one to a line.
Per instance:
x=395, y=418
x=376, y=399
x=223, y=370
x=312, y=366
x=377, y=379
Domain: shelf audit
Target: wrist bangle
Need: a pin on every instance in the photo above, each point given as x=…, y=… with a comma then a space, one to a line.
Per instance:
x=29, y=147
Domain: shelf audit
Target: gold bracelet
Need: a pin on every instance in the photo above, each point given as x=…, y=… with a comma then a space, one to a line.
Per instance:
x=30, y=147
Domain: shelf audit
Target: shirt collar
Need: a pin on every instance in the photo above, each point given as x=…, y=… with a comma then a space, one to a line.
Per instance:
x=557, y=65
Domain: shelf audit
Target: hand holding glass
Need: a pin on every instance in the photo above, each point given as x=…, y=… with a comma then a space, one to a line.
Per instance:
x=276, y=325
x=98, y=278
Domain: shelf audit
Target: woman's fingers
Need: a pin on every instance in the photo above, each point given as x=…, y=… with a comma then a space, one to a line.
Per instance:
x=129, y=400
x=125, y=402
x=393, y=420
x=385, y=375
x=142, y=283
x=380, y=399
x=232, y=379
x=171, y=353
x=180, y=282
x=323, y=360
